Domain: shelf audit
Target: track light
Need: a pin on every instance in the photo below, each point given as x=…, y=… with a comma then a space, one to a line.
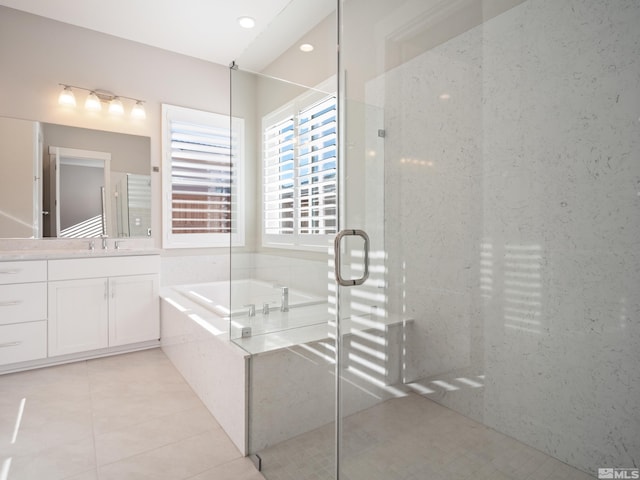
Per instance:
x=95, y=99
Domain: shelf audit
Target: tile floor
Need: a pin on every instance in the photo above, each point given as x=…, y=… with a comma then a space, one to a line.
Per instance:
x=126, y=417
x=133, y=417
x=412, y=438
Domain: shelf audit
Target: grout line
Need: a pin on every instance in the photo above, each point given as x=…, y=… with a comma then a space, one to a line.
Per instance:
x=93, y=427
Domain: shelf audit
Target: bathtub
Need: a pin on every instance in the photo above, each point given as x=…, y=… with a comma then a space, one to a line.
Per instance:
x=215, y=296
x=245, y=381
x=205, y=343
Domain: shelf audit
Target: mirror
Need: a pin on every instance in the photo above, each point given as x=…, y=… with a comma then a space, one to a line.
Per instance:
x=101, y=184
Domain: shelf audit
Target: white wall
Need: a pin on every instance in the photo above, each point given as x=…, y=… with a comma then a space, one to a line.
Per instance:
x=514, y=235
x=36, y=54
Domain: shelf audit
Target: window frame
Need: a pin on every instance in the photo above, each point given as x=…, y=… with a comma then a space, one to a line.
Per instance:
x=292, y=109
x=235, y=126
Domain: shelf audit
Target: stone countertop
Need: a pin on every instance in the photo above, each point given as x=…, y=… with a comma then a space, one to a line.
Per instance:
x=54, y=254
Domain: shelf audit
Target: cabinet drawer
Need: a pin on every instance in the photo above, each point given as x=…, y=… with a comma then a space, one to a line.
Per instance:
x=22, y=342
x=23, y=302
x=22, y=272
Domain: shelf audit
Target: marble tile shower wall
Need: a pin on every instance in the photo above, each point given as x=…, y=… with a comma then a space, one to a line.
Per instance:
x=519, y=233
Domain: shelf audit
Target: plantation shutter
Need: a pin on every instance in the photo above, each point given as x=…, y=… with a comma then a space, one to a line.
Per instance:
x=139, y=199
x=317, y=169
x=279, y=181
x=201, y=179
x=299, y=182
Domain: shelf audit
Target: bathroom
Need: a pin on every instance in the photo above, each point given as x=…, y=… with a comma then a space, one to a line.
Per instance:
x=489, y=152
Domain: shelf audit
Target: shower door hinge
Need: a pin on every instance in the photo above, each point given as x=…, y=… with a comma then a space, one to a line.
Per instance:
x=381, y=132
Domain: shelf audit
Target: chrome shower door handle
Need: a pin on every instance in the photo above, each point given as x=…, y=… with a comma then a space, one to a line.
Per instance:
x=336, y=249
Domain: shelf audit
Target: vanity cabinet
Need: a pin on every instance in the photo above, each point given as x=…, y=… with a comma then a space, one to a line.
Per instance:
x=78, y=316
x=23, y=311
x=133, y=309
x=64, y=309
x=102, y=302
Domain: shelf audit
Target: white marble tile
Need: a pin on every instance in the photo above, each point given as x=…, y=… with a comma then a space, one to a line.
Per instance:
x=212, y=366
x=187, y=268
x=512, y=223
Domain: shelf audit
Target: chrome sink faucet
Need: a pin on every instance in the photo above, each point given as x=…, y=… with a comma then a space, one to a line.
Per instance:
x=105, y=246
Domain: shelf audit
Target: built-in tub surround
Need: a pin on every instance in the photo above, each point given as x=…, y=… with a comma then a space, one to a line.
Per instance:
x=272, y=386
x=257, y=305
x=518, y=225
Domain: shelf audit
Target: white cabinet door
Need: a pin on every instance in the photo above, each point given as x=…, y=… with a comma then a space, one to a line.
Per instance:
x=78, y=315
x=134, y=309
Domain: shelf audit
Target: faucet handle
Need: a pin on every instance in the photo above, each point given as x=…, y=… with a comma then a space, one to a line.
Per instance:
x=265, y=308
x=92, y=245
x=252, y=309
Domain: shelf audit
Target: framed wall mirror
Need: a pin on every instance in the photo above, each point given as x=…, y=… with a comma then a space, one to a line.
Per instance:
x=69, y=182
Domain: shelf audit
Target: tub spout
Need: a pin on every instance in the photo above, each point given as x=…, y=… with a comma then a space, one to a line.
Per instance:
x=284, y=299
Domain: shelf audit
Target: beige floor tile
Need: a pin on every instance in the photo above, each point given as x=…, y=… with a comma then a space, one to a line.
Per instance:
x=88, y=475
x=55, y=463
x=142, y=437
x=117, y=410
x=176, y=461
x=240, y=469
x=33, y=381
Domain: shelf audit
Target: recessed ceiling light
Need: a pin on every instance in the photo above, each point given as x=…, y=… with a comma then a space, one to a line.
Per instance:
x=306, y=47
x=444, y=96
x=246, y=22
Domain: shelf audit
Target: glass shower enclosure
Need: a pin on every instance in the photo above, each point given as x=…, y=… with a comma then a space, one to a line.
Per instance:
x=467, y=284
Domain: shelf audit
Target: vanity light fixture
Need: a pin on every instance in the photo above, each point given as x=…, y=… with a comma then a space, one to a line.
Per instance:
x=115, y=106
x=95, y=99
x=67, y=97
x=93, y=102
x=138, y=110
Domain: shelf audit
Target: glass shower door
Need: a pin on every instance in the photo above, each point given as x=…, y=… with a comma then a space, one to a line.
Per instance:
x=490, y=152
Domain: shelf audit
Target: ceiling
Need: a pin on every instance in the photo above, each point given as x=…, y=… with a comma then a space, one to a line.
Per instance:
x=205, y=29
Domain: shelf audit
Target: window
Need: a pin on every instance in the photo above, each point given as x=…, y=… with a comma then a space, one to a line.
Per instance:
x=299, y=174
x=202, y=178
